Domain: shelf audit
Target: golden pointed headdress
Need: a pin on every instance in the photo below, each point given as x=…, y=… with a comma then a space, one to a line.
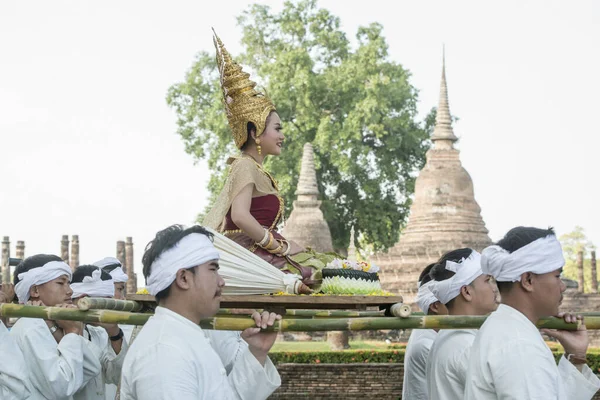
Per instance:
x=243, y=103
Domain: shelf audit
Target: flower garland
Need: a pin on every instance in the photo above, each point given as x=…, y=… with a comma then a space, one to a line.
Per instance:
x=355, y=265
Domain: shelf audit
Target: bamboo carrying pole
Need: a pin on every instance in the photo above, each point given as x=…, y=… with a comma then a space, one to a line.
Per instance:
x=285, y=325
x=97, y=303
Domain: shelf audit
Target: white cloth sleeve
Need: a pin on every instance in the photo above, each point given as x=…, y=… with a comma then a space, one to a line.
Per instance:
x=111, y=362
x=578, y=385
x=247, y=377
x=57, y=370
x=167, y=374
x=250, y=380
x=462, y=364
x=228, y=345
x=13, y=373
x=522, y=371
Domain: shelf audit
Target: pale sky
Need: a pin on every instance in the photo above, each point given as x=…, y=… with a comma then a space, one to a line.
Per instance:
x=88, y=144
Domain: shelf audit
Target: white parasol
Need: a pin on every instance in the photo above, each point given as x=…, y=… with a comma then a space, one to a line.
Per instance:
x=246, y=273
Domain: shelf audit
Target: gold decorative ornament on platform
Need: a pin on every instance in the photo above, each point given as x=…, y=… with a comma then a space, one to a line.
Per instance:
x=242, y=102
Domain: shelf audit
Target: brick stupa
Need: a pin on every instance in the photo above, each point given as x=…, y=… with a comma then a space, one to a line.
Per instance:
x=444, y=214
x=306, y=224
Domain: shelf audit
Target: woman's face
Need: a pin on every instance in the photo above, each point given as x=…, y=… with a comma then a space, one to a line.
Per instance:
x=271, y=141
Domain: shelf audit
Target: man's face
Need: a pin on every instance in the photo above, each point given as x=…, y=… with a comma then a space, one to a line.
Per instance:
x=207, y=288
x=57, y=291
x=548, y=292
x=485, y=294
x=119, y=291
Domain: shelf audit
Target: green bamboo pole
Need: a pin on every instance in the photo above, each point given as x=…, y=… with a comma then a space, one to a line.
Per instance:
x=72, y=314
x=307, y=313
x=589, y=314
x=98, y=303
x=285, y=325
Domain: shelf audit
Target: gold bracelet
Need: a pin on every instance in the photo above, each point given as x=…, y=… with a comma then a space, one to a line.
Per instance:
x=275, y=251
x=288, y=248
x=266, y=246
x=265, y=238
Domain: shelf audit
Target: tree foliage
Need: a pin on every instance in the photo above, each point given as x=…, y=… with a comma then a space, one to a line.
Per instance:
x=573, y=243
x=355, y=105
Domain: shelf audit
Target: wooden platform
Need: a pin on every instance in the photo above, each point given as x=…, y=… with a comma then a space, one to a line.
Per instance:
x=294, y=301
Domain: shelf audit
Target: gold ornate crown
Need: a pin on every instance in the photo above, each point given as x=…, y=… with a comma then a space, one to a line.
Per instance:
x=243, y=103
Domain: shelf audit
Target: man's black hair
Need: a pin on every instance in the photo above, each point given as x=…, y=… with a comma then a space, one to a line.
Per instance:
x=29, y=263
x=425, y=277
x=439, y=271
x=111, y=267
x=519, y=237
x=163, y=241
x=87, y=270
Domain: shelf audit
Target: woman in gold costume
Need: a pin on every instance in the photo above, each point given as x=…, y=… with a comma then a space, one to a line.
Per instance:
x=249, y=207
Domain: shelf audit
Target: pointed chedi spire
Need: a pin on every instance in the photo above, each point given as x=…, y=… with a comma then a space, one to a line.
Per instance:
x=443, y=216
x=307, y=183
x=306, y=224
x=443, y=134
x=351, y=246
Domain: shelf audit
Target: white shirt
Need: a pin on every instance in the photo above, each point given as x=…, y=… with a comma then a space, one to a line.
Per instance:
x=56, y=371
x=510, y=360
x=174, y=359
x=414, y=386
x=98, y=341
x=110, y=390
x=13, y=373
x=447, y=363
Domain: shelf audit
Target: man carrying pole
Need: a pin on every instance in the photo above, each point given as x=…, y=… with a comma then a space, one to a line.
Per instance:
x=13, y=372
x=509, y=358
x=465, y=290
x=59, y=359
x=172, y=357
x=105, y=340
x=419, y=344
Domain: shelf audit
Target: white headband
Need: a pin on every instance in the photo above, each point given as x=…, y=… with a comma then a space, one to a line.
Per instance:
x=425, y=297
x=117, y=274
x=38, y=276
x=193, y=250
x=465, y=272
x=540, y=257
x=93, y=286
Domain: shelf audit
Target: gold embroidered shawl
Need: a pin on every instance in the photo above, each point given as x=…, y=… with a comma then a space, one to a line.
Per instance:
x=243, y=172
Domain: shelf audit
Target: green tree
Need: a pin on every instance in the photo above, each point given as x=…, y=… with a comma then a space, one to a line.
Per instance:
x=355, y=105
x=572, y=243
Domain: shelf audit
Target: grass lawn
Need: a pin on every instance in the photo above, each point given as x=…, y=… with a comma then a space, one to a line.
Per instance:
x=324, y=346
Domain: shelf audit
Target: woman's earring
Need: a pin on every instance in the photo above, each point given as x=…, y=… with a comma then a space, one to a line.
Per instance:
x=258, y=148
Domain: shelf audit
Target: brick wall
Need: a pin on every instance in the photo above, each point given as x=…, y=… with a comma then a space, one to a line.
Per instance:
x=574, y=301
x=339, y=381
x=342, y=381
